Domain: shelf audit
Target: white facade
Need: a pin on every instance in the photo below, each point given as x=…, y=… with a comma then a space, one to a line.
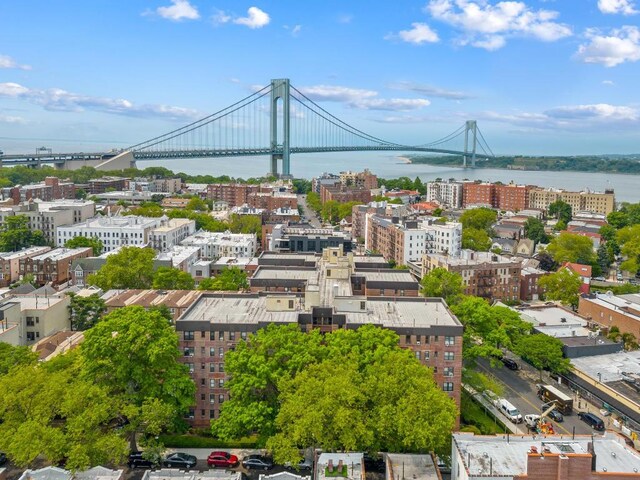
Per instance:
x=223, y=244
x=29, y=318
x=447, y=194
x=132, y=230
x=432, y=237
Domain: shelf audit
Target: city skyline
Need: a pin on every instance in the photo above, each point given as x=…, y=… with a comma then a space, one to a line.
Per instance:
x=541, y=77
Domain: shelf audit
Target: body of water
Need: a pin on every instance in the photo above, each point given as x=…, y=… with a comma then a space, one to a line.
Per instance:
x=627, y=187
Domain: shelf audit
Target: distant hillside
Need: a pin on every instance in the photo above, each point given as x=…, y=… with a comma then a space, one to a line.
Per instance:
x=627, y=164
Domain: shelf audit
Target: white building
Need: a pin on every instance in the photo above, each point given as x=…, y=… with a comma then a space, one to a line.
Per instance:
x=29, y=318
x=223, y=244
x=181, y=257
x=161, y=233
x=447, y=194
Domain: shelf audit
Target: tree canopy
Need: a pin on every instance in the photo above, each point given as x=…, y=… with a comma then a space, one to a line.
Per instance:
x=479, y=218
x=131, y=267
x=563, y=285
x=168, y=278
x=561, y=210
x=14, y=356
x=571, y=247
x=534, y=230
x=476, y=239
x=439, y=282
x=543, y=352
x=15, y=234
x=230, y=279
x=629, y=241
x=77, y=242
x=85, y=312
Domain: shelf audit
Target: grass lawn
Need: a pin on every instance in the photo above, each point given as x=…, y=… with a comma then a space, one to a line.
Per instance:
x=336, y=473
x=472, y=413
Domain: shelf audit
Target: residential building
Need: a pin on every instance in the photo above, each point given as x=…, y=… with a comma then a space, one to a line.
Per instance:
x=292, y=239
x=106, y=184
x=53, y=266
x=326, y=300
x=234, y=194
x=57, y=344
x=132, y=230
x=181, y=257
x=587, y=201
x=175, y=202
x=416, y=467
x=129, y=197
x=519, y=457
x=478, y=194
x=10, y=263
x=324, y=179
x=175, y=474
x=343, y=194
x=447, y=194
x=223, y=244
x=56, y=473
x=328, y=464
x=485, y=274
x=168, y=185
x=273, y=200
x=364, y=179
x=583, y=271
x=359, y=215
x=82, y=268
x=48, y=216
x=51, y=189
x=608, y=310
x=511, y=197
x=177, y=301
x=407, y=241
x=25, y=319
x=530, y=289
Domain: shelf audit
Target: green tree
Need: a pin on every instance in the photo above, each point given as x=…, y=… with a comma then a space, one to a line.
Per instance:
x=133, y=354
x=330, y=211
x=604, y=257
x=230, y=279
x=439, y=282
x=85, y=312
x=618, y=220
x=563, y=285
x=571, y=247
x=167, y=278
x=561, y=210
x=607, y=232
x=543, y=352
x=314, y=202
x=476, y=239
x=15, y=234
x=13, y=356
x=196, y=203
x=629, y=241
x=246, y=224
x=130, y=268
x=534, y=230
x=479, y=218
x=547, y=263
x=77, y=242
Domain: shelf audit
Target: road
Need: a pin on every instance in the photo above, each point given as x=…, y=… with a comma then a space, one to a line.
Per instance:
x=312, y=218
x=520, y=390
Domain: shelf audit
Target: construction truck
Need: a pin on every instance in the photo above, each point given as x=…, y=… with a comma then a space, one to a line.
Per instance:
x=540, y=423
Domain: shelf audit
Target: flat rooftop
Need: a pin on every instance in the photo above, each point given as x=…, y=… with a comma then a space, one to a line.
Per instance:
x=353, y=461
x=176, y=474
x=266, y=273
x=610, y=366
x=307, y=257
x=392, y=276
x=497, y=457
x=404, y=313
x=238, y=308
x=59, y=253
x=468, y=258
x=628, y=305
x=415, y=467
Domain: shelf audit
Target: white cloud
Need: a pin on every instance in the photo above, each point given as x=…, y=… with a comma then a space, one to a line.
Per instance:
x=255, y=18
x=362, y=99
x=621, y=45
x=56, y=99
x=179, y=10
x=12, y=120
x=431, y=91
x=486, y=25
x=295, y=31
x=609, y=83
x=220, y=18
x=625, y=7
x=8, y=62
x=418, y=34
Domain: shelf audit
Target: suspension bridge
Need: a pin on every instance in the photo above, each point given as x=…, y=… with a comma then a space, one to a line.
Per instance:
x=276, y=121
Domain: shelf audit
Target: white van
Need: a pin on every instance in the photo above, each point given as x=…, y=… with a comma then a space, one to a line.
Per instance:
x=511, y=412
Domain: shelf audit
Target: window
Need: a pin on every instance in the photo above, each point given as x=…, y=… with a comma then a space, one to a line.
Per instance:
x=188, y=351
x=243, y=335
x=212, y=414
x=188, y=335
x=202, y=366
x=221, y=399
x=191, y=367
x=212, y=398
x=290, y=303
x=426, y=356
x=202, y=382
x=221, y=352
x=221, y=383
x=212, y=335
x=212, y=351
x=448, y=371
x=407, y=339
x=449, y=356
x=221, y=367
x=232, y=336
x=418, y=355
x=202, y=397
x=221, y=336
x=447, y=386
x=449, y=341
x=212, y=367
x=363, y=305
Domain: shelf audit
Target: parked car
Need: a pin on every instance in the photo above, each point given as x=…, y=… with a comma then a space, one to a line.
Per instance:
x=532, y=421
x=136, y=460
x=304, y=464
x=257, y=462
x=222, y=459
x=589, y=418
x=556, y=415
x=510, y=364
x=374, y=463
x=3, y=456
x=491, y=397
x=180, y=460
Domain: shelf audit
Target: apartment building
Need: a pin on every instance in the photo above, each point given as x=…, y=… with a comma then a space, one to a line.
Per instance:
x=478, y=194
x=213, y=245
x=10, y=263
x=324, y=179
x=359, y=215
x=158, y=185
x=132, y=230
x=273, y=200
x=215, y=323
x=25, y=319
x=343, y=194
x=364, y=179
x=608, y=310
x=177, y=301
x=584, y=201
x=510, y=197
x=106, y=184
x=53, y=266
x=284, y=238
x=47, y=216
x=485, y=274
x=180, y=256
x=51, y=189
x=520, y=457
x=407, y=241
x=446, y=194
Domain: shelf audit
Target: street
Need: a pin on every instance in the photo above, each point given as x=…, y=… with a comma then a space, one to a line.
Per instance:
x=312, y=218
x=520, y=390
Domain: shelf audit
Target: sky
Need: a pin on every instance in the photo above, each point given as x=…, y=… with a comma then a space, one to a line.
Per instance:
x=540, y=76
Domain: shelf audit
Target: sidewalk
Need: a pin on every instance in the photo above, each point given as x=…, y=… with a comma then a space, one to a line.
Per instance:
x=513, y=428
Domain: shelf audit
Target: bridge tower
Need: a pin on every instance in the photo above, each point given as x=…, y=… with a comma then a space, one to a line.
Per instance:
x=280, y=93
x=470, y=126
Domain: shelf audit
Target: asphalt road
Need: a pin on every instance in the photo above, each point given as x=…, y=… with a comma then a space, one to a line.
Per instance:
x=312, y=218
x=520, y=390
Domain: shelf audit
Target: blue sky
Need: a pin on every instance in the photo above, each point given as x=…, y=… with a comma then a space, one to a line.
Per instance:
x=541, y=77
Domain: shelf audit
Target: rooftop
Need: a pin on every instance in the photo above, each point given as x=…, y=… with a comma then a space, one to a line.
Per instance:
x=60, y=254
x=266, y=273
x=610, y=367
x=404, y=312
x=149, y=298
x=469, y=258
x=175, y=474
x=389, y=275
x=353, y=461
x=629, y=304
x=555, y=321
x=130, y=221
x=23, y=253
x=415, y=467
x=498, y=457
x=236, y=308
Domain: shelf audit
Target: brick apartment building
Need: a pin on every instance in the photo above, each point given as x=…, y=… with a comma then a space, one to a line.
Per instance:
x=53, y=266
x=343, y=194
x=607, y=310
x=478, y=194
x=215, y=323
x=235, y=194
x=511, y=197
x=359, y=217
x=105, y=184
x=485, y=274
x=177, y=301
x=51, y=189
x=364, y=179
x=10, y=263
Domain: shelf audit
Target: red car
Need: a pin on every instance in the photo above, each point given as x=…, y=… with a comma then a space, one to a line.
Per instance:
x=222, y=459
